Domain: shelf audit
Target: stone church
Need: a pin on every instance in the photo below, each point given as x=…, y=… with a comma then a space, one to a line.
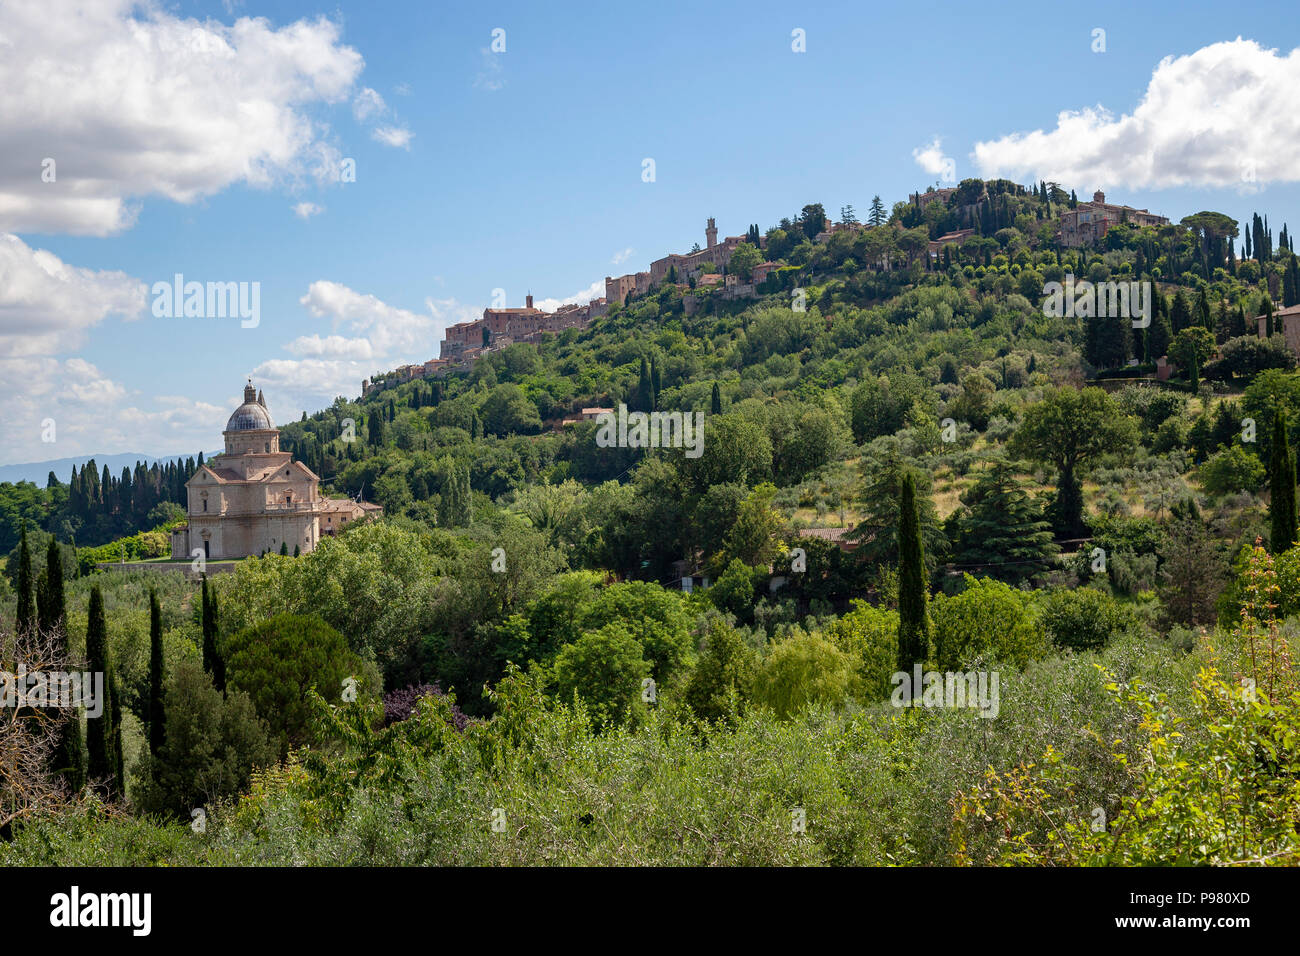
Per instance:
x=254, y=498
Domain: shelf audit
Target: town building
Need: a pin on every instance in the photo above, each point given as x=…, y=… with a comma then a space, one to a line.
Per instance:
x=681, y=267
x=1089, y=222
x=951, y=238
x=1289, y=319
x=254, y=498
x=500, y=327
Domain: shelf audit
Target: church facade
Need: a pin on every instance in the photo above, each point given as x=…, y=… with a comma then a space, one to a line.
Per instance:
x=254, y=498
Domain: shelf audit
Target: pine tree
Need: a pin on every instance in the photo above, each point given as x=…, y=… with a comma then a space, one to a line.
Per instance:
x=877, y=216
x=101, y=737
x=1005, y=532
x=26, y=611
x=715, y=406
x=157, y=726
x=913, y=616
x=1282, y=500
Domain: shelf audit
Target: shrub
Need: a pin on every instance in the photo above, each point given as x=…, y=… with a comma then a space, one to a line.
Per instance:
x=988, y=618
x=1085, y=619
x=804, y=670
x=604, y=668
x=278, y=661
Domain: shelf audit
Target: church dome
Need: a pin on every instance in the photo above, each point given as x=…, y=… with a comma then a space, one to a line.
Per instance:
x=253, y=415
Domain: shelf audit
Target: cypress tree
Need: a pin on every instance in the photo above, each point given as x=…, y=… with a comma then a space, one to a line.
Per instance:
x=913, y=617
x=67, y=760
x=156, y=721
x=644, y=389
x=1282, y=502
x=212, y=662
x=101, y=745
x=50, y=605
x=26, y=607
x=715, y=406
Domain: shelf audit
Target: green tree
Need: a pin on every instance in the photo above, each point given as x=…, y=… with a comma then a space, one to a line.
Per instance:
x=157, y=717
x=877, y=216
x=743, y=260
x=812, y=219
x=51, y=611
x=102, y=741
x=989, y=619
x=605, y=669
x=1231, y=470
x=26, y=611
x=213, y=743
x=1003, y=531
x=804, y=670
x=715, y=401
x=878, y=500
x=1068, y=429
x=278, y=662
x=212, y=658
x=723, y=679
x=1084, y=619
x=68, y=757
x=1282, y=480
x=913, y=593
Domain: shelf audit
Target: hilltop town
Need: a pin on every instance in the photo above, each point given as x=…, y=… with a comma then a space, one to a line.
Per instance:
x=1081, y=224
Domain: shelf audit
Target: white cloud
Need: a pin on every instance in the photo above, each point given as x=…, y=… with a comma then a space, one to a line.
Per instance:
x=491, y=75
x=46, y=305
x=368, y=103
x=395, y=136
x=931, y=158
x=593, y=291
x=305, y=210
x=92, y=414
x=131, y=101
x=380, y=337
x=622, y=257
x=402, y=89
x=1217, y=117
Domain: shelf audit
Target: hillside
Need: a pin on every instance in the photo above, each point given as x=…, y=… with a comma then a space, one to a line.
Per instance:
x=893, y=456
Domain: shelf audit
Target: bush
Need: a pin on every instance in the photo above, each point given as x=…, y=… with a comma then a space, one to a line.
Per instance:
x=988, y=618
x=1085, y=619
x=213, y=744
x=604, y=668
x=277, y=662
x=1231, y=470
x=723, y=679
x=804, y=670
x=869, y=635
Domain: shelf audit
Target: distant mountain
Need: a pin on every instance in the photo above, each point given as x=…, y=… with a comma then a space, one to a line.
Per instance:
x=38, y=471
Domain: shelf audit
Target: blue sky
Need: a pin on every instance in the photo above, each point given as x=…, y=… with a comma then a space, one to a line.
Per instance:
x=521, y=169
